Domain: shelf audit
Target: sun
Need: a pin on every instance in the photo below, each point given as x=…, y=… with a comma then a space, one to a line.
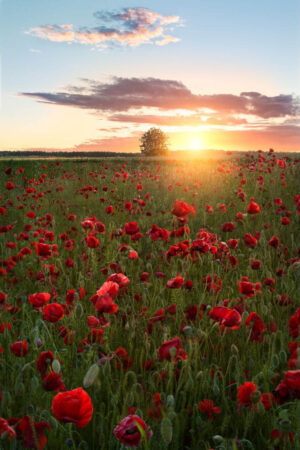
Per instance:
x=195, y=144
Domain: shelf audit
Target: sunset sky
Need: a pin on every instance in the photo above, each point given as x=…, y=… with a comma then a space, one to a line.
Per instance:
x=94, y=75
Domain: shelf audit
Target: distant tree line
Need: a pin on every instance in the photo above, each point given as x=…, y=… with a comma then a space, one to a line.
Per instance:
x=60, y=154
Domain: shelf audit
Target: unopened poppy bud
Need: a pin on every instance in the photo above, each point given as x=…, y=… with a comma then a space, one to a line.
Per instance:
x=217, y=439
x=284, y=425
x=282, y=356
x=188, y=331
x=56, y=366
x=78, y=311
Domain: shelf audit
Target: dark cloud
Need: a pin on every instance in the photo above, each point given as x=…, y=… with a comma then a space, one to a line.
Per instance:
x=124, y=94
x=278, y=106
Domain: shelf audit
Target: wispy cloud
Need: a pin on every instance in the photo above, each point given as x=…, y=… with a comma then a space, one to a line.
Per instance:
x=177, y=120
x=34, y=50
x=129, y=26
x=125, y=94
x=55, y=33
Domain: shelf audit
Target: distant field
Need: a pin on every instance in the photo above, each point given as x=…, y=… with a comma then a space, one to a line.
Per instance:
x=167, y=289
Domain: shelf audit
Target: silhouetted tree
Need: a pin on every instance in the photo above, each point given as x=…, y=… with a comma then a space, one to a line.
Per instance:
x=154, y=143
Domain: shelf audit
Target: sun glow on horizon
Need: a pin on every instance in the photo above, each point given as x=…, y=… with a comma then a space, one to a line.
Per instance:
x=195, y=144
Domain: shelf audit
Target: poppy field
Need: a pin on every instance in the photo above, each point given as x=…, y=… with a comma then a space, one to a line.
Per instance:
x=150, y=303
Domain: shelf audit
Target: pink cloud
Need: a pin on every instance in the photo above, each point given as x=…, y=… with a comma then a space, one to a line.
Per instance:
x=131, y=26
x=54, y=33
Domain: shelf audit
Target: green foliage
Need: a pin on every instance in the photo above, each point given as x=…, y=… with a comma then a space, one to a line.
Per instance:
x=154, y=143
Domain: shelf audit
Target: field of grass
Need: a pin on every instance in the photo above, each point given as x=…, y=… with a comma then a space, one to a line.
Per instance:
x=168, y=291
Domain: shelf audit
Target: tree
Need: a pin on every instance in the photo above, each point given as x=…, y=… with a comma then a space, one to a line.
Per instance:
x=154, y=143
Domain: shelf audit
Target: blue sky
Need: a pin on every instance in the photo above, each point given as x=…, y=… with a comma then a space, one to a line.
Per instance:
x=216, y=47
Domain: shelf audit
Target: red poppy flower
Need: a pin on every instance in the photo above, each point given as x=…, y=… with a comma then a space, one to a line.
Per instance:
x=133, y=255
x=128, y=433
x=92, y=242
x=249, y=240
x=6, y=428
x=128, y=205
x=39, y=300
x=294, y=324
x=182, y=209
x=43, y=250
x=247, y=288
x=255, y=264
x=257, y=327
x=292, y=380
x=33, y=432
x=131, y=228
x=43, y=361
x=246, y=393
x=164, y=349
x=267, y=400
x=110, y=288
x=9, y=186
x=73, y=406
x=95, y=335
x=120, y=279
x=92, y=321
x=227, y=227
x=109, y=210
x=175, y=283
x=207, y=407
x=53, y=312
x=19, y=348
x=232, y=319
x=274, y=242
x=53, y=382
x=233, y=243
x=253, y=208
x=105, y=304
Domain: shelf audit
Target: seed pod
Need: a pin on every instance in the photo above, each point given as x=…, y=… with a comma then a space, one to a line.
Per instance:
x=78, y=310
x=166, y=430
x=91, y=376
x=170, y=401
x=217, y=439
x=283, y=356
x=34, y=383
x=56, y=366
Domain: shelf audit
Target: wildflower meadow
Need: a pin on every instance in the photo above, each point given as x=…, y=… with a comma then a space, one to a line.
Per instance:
x=150, y=303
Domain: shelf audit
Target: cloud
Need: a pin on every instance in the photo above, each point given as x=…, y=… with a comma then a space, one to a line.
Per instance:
x=178, y=120
x=278, y=106
x=34, y=50
x=125, y=94
x=130, y=26
x=54, y=33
